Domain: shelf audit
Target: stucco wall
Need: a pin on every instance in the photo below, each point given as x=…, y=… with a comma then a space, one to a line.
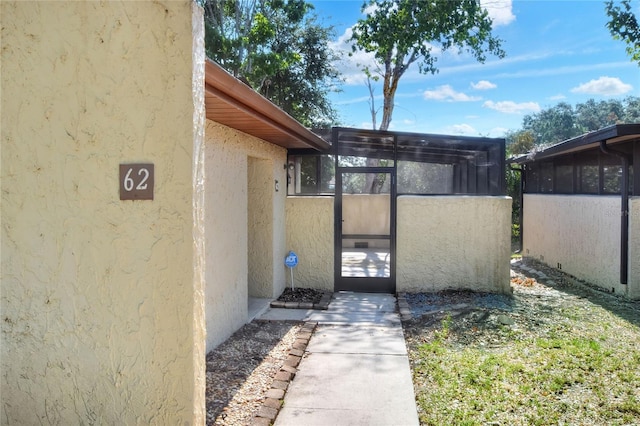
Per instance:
x=366, y=214
x=100, y=302
x=310, y=235
x=232, y=160
x=580, y=234
x=260, y=184
x=453, y=242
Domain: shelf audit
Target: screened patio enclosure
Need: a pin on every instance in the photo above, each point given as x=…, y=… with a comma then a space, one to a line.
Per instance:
x=367, y=171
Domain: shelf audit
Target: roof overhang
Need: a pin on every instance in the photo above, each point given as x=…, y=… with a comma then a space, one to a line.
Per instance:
x=420, y=147
x=611, y=135
x=230, y=102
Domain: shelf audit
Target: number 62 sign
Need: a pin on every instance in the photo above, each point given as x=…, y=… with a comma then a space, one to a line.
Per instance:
x=136, y=181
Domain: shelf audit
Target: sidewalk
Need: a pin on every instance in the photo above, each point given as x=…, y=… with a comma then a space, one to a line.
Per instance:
x=356, y=369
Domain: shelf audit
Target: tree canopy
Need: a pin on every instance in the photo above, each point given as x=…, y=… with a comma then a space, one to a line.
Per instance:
x=278, y=48
x=402, y=32
x=623, y=25
x=564, y=121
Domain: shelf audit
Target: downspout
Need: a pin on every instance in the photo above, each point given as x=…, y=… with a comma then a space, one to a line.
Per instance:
x=521, y=198
x=624, y=210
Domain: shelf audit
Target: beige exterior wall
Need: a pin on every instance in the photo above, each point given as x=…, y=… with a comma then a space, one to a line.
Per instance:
x=453, y=242
x=581, y=234
x=245, y=226
x=366, y=214
x=310, y=235
x=102, y=310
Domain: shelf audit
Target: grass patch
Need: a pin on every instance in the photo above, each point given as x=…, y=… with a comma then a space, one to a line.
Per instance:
x=561, y=375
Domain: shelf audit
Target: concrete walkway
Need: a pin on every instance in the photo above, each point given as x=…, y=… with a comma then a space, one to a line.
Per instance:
x=356, y=369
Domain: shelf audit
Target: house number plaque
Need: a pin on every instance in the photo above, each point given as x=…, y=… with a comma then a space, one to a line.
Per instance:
x=136, y=181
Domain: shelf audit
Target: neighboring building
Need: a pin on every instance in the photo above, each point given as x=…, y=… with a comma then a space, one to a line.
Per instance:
x=581, y=207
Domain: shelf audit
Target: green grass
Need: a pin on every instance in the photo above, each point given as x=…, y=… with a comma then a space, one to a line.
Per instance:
x=584, y=375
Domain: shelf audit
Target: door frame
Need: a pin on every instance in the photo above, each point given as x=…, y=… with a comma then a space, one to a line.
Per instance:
x=364, y=284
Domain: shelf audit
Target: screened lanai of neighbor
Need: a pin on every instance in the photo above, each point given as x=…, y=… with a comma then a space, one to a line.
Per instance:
x=404, y=211
x=581, y=207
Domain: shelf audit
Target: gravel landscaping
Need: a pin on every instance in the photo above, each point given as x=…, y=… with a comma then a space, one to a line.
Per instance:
x=240, y=371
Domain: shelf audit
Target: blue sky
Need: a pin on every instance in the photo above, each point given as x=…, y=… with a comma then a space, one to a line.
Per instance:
x=557, y=51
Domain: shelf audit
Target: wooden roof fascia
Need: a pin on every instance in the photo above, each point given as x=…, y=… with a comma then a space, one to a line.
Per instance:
x=612, y=134
x=222, y=85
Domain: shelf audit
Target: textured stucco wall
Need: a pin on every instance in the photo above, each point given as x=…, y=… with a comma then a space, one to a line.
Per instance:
x=228, y=156
x=99, y=316
x=365, y=214
x=260, y=184
x=310, y=235
x=453, y=242
x=582, y=234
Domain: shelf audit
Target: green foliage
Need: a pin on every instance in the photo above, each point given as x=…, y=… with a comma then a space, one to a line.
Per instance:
x=553, y=124
x=279, y=49
x=623, y=26
x=593, y=115
x=563, y=121
x=519, y=142
x=631, y=113
x=424, y=178
x=515, y=231
x=402, y=32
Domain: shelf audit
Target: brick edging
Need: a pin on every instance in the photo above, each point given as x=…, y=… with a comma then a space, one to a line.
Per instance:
x=323, y=304
x=275, y=396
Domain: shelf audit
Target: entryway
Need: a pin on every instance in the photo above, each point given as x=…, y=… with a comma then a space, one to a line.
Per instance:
x=365, y=215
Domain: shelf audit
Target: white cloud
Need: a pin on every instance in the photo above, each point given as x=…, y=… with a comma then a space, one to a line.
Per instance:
x=510, y=107
x=604, y=86
x=461, y=129
x=500, y=11
x=446, y=93
x=358, y=100
x=352, y=63
x=557, y=97
x=483, y=85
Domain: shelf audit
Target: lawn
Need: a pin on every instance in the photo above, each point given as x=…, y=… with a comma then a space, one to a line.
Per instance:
x=546, y=355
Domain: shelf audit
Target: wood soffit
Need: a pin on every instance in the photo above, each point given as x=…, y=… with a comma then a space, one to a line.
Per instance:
x=230, y=102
